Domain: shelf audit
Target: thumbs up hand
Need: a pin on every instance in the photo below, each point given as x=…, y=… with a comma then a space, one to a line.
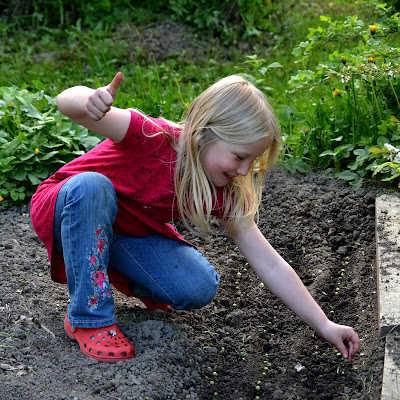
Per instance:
x=100, y=101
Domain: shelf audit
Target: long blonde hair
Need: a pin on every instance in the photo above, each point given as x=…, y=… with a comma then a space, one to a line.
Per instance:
x=235, y=111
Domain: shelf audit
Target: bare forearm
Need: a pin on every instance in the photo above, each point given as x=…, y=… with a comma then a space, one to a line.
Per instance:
x=281, y=279
x=72, y=102
x=93, y=109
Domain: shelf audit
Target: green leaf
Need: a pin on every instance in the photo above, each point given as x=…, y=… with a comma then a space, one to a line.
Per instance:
x=14, y=195
x=324, y=18
x=19, y=175
x=328, y=153
x=391, y=178
x=27, y=157
x=48, y=155
x=275, y=65
x=346, y=175
x=34, y=179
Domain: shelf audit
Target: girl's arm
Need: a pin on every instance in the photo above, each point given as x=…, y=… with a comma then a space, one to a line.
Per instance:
x=283, y=281
x=92, y=109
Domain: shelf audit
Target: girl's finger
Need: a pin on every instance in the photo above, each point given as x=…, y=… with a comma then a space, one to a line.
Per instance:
x=350, y=347
x=105, y=97
x=97, y=101
x=94, y=112
x=115, y=83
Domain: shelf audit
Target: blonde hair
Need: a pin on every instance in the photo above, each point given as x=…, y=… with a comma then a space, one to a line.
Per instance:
x=235, y=111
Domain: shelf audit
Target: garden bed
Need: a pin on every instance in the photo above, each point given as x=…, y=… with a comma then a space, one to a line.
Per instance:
x=244, y=344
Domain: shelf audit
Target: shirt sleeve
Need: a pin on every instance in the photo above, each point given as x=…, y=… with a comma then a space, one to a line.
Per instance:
x=140, y=132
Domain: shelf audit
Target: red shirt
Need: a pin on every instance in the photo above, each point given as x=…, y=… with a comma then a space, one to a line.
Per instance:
x=141, y=169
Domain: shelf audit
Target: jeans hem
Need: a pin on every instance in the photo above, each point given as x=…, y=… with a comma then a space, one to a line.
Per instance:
x=92, y=324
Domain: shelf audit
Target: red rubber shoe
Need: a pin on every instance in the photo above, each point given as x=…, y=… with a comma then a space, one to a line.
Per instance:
x=106, y=344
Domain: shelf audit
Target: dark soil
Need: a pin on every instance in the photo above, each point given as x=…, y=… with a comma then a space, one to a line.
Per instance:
x=245, y=340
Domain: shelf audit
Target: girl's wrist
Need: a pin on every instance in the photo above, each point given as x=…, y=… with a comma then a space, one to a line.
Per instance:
x=322, y=326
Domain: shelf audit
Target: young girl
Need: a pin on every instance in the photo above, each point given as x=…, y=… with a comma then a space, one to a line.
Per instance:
x=106, y=216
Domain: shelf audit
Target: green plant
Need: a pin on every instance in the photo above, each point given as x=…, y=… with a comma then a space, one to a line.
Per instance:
x=350, y=98
x=35, y=140
x=387, y=163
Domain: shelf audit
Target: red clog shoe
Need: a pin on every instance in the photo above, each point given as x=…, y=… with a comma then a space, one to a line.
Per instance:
x=106, y=344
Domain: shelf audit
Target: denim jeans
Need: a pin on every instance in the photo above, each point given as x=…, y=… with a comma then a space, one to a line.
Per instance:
x=165, y=270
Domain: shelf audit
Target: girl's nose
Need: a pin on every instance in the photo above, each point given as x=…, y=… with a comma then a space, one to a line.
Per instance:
x=243, y=169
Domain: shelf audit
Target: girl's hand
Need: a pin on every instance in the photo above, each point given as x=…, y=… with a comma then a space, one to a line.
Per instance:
x=99, y=103
x=343, y=337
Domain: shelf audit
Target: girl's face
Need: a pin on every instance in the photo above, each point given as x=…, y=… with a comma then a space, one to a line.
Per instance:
x=223, y=161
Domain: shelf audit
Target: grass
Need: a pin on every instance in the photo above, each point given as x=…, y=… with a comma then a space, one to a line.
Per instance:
x=53, y=59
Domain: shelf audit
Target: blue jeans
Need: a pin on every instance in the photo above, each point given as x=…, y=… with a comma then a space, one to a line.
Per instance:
x=165, y=270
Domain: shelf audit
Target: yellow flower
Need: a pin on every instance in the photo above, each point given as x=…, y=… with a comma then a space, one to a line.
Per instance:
x=371, y=59
x=394, y=119
x=336, y=92
x=372, y=29
x=343, y=58
x=1, y=198
x=11, y=104
x=36, y=150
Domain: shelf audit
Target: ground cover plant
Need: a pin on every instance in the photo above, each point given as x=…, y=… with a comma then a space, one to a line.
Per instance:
x=246, y=344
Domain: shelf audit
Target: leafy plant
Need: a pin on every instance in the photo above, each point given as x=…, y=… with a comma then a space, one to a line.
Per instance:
x=35, y=140
x=350, y=97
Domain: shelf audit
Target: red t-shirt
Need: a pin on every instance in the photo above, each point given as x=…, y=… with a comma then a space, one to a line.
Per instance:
x=141, y=169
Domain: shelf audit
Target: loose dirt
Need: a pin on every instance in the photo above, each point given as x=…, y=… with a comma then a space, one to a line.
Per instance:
x=244, y=344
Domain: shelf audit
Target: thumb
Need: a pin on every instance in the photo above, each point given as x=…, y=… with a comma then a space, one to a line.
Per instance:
x=112, y=88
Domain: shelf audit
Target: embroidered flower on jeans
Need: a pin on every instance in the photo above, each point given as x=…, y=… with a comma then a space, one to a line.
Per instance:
x=97, y=272
x=99, y=278
x=101, y=244
x=93, y=301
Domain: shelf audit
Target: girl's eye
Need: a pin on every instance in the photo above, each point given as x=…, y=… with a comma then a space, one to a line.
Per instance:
x=239, y=157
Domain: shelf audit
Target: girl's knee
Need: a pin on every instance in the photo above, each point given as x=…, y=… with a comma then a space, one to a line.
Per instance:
x=198, y=294
x=92, y=187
